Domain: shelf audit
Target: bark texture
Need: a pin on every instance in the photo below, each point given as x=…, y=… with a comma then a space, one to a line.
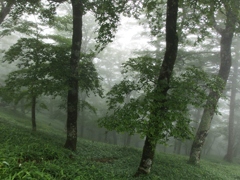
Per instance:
x=161, y=89
x=213, y=97
x=5, y=9
x=72, y=98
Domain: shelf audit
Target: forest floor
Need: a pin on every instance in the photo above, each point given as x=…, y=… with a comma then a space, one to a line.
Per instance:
x=41, y=156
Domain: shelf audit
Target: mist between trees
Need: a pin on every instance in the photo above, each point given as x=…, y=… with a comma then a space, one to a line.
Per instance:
x=161, y=75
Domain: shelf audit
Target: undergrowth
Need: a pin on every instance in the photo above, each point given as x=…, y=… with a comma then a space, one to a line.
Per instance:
x=40, y=156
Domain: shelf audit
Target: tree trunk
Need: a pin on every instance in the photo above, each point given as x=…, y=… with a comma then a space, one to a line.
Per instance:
x=147, y=156
x=127, y=139
x=83, y=97
x=82, y=127
x=5, y=9
x=161, y=89
x=208, y=149
x=22, y=106
x=106, y=137
x=228, y=157
x=179, y=146
x=72, y=98
x=114, y=134
x=213, y=97
x=34, y=126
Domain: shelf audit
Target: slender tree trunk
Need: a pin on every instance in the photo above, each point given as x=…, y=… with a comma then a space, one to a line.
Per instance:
x=114, y=137
x=161, y=88
x=179, y=147
x=34, y=126
x=82, y=127
x=187, y=148
x=228, y=157
x=127, y=139
x=213, y=97
x=164, y=148
x=72, y=99
x=82, y=122
x=175, y=146
x=236, y=148
x=208, y=149
x=106, y=137
x=22, y=106
x=83, y=97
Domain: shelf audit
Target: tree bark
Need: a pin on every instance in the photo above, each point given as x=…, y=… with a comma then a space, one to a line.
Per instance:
x=72, y=98
x=213, y=97
x=34, y=125
x=161, y=89
x=229, y=156
x=5, y=9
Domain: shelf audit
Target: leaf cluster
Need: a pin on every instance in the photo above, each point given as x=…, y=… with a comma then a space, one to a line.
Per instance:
x=44, y=69
x=187, y=89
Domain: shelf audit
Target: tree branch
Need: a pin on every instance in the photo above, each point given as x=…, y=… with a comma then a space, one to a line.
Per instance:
x=58, y=1
x=216, y=27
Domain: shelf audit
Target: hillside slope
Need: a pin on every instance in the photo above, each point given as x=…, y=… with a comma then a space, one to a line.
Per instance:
x=40, y=156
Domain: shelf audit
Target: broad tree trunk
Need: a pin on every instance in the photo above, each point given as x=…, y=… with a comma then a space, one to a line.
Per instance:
x=228, y=157
x=161, y=89
x=147, y=156
x=72, y=98
x=34, y=125
x=213, y=97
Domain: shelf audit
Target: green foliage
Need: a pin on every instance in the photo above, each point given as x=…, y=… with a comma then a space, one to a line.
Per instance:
x=187, y=89
x=43, y=69
x=40, y=156
x=44, y=9
x=107, y=14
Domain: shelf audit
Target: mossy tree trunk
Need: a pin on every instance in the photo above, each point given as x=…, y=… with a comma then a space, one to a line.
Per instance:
x=161, y=89
x=72, y=98
x=213, y=97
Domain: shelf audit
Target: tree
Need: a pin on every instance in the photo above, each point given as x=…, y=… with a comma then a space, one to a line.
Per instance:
x=160, y=108
x=72, y=97
x=229, y=156
x=162, y=87
x=36, y=61
x=231, y=9
x=5, y=9
x=13, y=9
x=102, y=10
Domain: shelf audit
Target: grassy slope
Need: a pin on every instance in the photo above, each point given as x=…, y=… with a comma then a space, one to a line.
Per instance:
x=40, y=156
